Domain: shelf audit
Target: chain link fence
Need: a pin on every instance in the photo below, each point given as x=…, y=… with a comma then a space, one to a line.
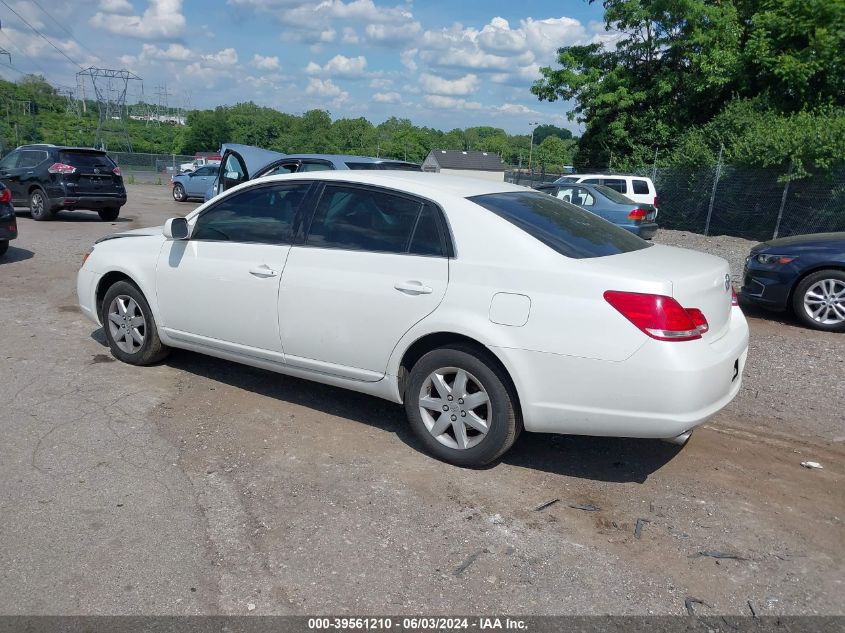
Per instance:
x=752, y=203
x=149, y=168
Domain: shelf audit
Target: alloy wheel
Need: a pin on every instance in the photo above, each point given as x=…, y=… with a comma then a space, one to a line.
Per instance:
x=824, y=301
x=455, y=408
x=126, y=324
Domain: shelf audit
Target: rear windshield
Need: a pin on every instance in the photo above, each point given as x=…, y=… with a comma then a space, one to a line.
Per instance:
x=85, y=159
x=613, y=195
x=388, y=165
x=568, y=229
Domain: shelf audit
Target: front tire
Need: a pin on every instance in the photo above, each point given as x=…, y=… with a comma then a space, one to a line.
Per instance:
x=130, y=326
x=4, y=246
x=109, y=214
x=39, y=206
x=819, y=300
x=461, y=406
x=179, y=193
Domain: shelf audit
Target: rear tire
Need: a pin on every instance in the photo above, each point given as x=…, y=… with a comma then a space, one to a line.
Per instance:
x=819, y=300
x=39, y=206
x=482, y=419
x=130, y=326
x=109, y=214
x=4, y=246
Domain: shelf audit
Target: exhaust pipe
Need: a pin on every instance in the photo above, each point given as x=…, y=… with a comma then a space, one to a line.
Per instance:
x=679, y=440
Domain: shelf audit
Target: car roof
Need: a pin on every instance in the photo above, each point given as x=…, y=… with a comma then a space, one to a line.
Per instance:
x=414, y=182
x=254, y=157
x=349, y=157
x=616, y=175
x=60, y=147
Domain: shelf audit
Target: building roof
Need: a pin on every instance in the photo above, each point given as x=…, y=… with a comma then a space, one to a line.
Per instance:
x=456, y=159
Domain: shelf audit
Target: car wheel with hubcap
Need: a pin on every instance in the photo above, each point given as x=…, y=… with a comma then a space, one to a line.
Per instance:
x=109, y=214
x=39, y=206
x=130, y=327
x=179, y=193
x=461, y=405
x=819, y=300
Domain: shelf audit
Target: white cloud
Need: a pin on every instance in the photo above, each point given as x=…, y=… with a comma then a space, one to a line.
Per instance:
x=265, y=63
x=163, y=19
x=324, y=88
x=407, y=58
x=392, y=34
x=225, y=57
x=387, y=97
x=328, y=35
x=116, y=6
x=514, y=108
x=450, y=103
x=380, y=83
x=350, y=36
x=462, y=86
x=340, y=66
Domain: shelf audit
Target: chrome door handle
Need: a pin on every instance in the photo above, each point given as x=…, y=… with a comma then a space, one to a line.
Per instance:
x=263, y=271
x=413, y=288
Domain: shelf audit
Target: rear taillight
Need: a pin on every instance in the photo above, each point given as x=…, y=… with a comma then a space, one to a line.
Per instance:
x=659, y=316
x=638, y=215
x=6, y=195
x=116, y=171
x=734, y=299
x=61, y=168
x=655, y=202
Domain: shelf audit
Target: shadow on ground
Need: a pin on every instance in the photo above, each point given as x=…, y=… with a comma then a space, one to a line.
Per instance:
x=594, y=458
x=15, y=254
x=79, y=216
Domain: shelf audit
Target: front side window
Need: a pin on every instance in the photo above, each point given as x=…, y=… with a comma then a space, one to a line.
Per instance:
x=205, y=171
x=569, y=230
x=576, y=195
x=264, y=215
x=32, y=157
x=233, y=172
x=355, y=218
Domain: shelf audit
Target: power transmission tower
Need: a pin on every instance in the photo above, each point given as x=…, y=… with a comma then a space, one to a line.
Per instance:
x=71, y=104
x=110, y=88
x=162, y=103
x=3, y=51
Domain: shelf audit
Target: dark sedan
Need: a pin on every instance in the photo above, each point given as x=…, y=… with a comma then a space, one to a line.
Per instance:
x=611, y=205
x=804, y=273
x=8, y=222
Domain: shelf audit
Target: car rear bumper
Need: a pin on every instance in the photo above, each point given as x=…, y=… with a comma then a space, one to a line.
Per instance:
x=8, y=228
x=88, y=202
x=661, y=391
x=646, y=230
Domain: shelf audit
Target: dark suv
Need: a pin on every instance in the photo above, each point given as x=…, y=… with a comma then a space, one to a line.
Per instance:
x=49, y=178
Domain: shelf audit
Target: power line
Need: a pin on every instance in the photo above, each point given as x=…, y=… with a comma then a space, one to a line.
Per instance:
x=44, y=37
x=61, y=26
x=20, y=52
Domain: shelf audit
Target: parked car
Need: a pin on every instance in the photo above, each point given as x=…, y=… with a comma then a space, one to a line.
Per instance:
x=194, y=184
x=637, y=188
x=244, y=162
x=200, y=160
x=803, y=273
x=484, y=307
x=8, y=221
x=636, y=217
x=49, y=178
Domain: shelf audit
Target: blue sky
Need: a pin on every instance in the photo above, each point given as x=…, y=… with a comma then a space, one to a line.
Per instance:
x=439, y=63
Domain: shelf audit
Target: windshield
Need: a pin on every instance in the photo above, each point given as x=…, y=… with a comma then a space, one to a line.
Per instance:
x=85, y=159
x=562, y=226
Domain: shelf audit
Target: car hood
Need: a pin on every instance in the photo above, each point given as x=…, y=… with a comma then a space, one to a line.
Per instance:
x=152, y=230
x=255, y=158
x=814, y=240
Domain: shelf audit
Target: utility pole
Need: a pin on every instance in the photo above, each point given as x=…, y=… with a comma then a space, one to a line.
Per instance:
x=533, y=125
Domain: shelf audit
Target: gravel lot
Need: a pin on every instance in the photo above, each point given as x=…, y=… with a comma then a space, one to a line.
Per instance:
x=200, y=486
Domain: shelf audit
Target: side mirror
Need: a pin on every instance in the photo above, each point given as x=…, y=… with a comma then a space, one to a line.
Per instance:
x=176, y=229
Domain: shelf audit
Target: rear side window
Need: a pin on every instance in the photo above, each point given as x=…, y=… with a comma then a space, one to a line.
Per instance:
x=617, y=184
x=362, y=166
x=427, y=239
x=359, y=219
x=315, y=167
x=82, y=160
x=569, y=230
x=640, y=187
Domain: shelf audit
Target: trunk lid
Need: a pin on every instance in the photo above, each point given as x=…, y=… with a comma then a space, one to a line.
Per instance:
x=94, y=173
x=697, y=280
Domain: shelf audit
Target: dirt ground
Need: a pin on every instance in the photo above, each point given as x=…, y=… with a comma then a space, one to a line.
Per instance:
x=201, y=486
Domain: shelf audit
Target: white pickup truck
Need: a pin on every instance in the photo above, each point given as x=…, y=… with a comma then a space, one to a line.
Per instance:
x=200, y=161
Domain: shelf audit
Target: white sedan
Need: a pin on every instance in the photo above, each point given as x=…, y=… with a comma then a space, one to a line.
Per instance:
x=483, y=307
